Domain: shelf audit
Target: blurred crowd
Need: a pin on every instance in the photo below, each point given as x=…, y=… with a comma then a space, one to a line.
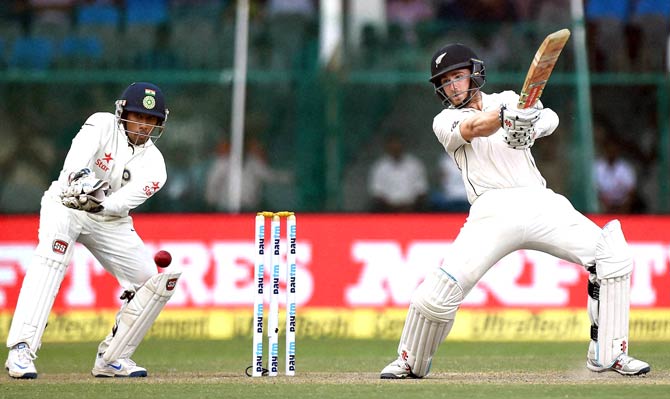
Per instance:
x=623, y=36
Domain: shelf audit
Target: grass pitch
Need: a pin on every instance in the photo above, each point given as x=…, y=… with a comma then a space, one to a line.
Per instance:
x=330, y=368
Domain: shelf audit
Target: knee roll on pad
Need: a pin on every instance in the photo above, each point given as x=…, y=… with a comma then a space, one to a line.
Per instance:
x=429, y=320
x=613, y=256
x=138, y=315
x=38, y=291
x=609, y=295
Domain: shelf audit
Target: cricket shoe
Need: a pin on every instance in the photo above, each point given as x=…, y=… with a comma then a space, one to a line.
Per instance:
x=117, y=368
x=397, y=370
x=624, y=364
x=19, y=362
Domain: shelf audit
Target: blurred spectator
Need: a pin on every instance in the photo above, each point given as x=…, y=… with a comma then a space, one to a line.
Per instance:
x=25, y=172
x=161, y=55
x=15, y=16
x=606, y=22
x=289, y=23
x=551, y=13
x=451, y=196
x=397, y=180
x=651, y=18
x=51, y=18
x=616, y=180
x=255, y=173
x=183, y=194
x=495, y=11
x=368, y=55
x=306, y=8
x=142, y=20
x=406, y=14
x=450, y=10
x=196, y=6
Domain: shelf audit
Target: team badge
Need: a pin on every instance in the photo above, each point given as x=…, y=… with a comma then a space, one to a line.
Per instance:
x=149, y=102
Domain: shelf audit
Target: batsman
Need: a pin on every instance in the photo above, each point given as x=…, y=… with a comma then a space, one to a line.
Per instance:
x=490, y=138
x=112, y=167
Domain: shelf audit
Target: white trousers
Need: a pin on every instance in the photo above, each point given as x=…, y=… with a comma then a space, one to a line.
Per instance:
x=503, y=221
x=113, y=242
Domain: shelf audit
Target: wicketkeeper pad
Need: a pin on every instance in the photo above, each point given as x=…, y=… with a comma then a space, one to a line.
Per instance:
x=429, y=320
x=139, y=314
x=38, y=292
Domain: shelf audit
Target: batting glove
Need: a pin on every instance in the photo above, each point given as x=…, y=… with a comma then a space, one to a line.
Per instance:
x=517, y=119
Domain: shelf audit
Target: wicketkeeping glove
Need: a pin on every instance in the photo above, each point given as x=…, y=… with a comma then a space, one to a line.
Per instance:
x=85, y=191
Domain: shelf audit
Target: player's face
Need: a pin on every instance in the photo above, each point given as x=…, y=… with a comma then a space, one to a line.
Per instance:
x=139, y=127
x=456, y=85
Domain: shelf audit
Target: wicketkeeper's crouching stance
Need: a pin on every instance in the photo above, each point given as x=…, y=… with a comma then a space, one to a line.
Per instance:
x=112, y=167
x=490, y=138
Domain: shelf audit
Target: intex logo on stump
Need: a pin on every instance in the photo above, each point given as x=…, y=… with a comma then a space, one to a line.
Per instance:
x=59, y=247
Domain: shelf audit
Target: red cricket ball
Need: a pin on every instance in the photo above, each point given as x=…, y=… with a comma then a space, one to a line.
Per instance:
x=162, y=258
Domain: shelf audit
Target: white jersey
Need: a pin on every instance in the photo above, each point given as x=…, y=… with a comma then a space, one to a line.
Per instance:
x=134, y=173
x=487, y=162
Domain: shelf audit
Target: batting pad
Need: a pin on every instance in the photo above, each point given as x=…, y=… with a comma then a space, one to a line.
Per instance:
x=614, y=266
x=38, y=292
x=429, y=320
x=139, y=314
x=613, y=319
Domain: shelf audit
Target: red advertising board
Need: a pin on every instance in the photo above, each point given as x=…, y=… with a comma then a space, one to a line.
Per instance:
x=344, y=261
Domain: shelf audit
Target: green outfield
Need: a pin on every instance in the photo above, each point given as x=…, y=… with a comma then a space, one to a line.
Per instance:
x=345, y=369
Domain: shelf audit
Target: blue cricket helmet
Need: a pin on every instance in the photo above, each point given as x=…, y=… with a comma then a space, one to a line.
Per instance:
x=143, y=98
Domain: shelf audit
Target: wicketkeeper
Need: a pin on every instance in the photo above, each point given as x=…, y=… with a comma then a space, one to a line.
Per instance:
x=512, y=209
x=112, y=167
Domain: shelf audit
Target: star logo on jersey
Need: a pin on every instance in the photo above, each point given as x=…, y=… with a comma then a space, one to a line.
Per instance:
x=155, y=186
x=103, y=163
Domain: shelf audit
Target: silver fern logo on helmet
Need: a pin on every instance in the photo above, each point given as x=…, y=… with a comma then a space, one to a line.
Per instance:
x=439, y=59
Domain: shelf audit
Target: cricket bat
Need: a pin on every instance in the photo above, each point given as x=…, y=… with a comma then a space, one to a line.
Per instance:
x=543, y=63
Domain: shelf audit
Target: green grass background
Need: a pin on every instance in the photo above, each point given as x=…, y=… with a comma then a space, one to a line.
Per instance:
x=330, y=368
